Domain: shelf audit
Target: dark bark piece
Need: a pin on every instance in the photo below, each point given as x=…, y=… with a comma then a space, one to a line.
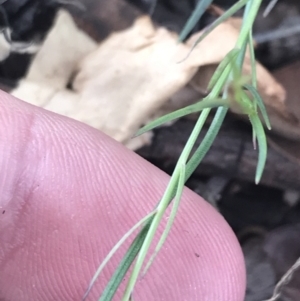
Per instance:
x=231, y=154
x=101, y=18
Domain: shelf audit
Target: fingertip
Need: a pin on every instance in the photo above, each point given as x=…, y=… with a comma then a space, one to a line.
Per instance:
x=71, y=170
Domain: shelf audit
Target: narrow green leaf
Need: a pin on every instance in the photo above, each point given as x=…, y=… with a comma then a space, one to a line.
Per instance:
x=243, y=101
x=269, y=8
x=260, y=103
x=135, y=247
x=252, y=61
x=217, y=22
x=171, y=219
x=207, y=141
x=167, y=197
x=250, y=14
x=165, y=201
x=115, y=248
x=228, y=59
x=194, y=18
x=262, y=145
x=124, y=265
x=197, y=107
x=241, y=57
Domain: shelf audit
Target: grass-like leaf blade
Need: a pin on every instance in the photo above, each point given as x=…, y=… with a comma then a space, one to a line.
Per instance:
x=262, y=145
x=171, y=219
x=124, y=265
x=260, y=104
x=194, y=18
x=217, y=22
x=115, y=248
x=167, y=198
x=206, y=143
x=252, y=60
x=228, y=59
x=197, y=107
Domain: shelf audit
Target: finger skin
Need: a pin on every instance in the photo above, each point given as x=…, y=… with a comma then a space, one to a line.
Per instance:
x=69, y=193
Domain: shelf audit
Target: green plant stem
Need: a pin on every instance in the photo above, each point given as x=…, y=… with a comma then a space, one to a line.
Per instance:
x=206, y=142
x=207, y=102
x=171, y=218
x=225, y=16
x=165, y=201
x=194, y=18
x=136, y=245
x=251, y=11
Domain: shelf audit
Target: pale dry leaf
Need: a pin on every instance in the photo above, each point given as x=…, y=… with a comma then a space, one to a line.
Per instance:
x=129, y=77
x=55, y=62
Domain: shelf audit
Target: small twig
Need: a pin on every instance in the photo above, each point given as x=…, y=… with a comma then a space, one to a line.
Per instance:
x=276, y=34
x=284, y=281
x=269, y=7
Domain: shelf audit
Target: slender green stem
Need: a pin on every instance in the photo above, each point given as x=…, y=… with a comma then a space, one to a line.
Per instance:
x=135, y=247
x=216, y=23
x=253, y=61
x=167, y=197
x=251, y=11
x=194, y=18
x=206, y=102
x=171, y=218
x=210, y=136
